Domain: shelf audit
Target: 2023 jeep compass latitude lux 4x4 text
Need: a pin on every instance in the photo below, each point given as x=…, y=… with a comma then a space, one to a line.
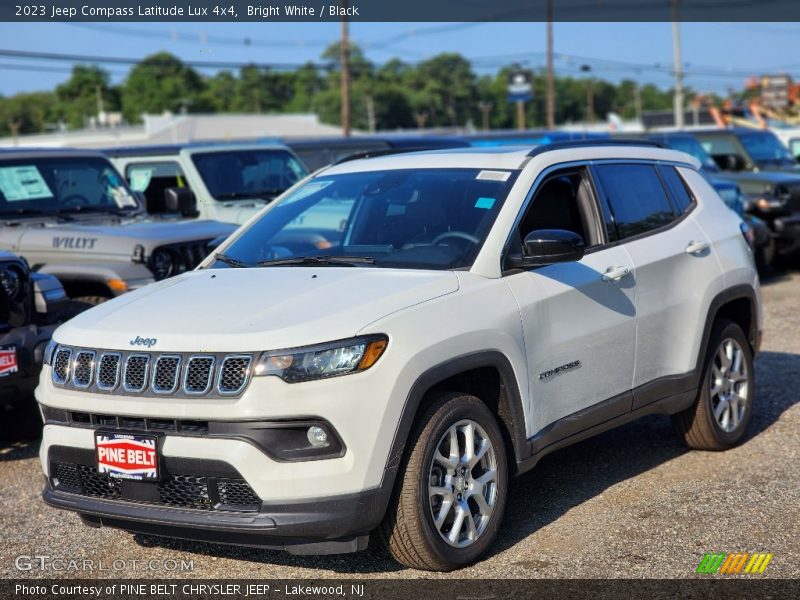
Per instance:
x=394, y=338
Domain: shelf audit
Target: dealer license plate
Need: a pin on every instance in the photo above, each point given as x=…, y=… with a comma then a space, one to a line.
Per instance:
x=127, y=456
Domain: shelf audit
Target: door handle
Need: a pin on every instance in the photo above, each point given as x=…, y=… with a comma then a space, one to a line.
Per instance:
x=696, y=247
x=615, y=273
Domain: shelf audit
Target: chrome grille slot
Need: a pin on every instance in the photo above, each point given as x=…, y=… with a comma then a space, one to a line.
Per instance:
x=165, y=374
x=199, y=375
x=108, y=371
x=136, y=367
x=83, y=369
x=61, y=365
x=133, y=373
x=233, y=374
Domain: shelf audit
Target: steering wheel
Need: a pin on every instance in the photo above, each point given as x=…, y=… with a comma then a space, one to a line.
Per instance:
x=75, y=200
x=461, y=235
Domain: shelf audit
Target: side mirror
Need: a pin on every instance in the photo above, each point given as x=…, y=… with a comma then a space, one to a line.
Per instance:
x=549, y=246
x=180, y=200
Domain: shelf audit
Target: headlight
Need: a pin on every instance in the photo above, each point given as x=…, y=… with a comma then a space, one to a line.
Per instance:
x=11, y=282
x=47, y=358
x=163, y=264
x=325, y=360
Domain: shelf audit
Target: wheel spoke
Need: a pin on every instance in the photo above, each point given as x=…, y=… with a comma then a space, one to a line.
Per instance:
x=734, y=415
x=487, y=477
x=724, y=360
x=472, y=531
x=716, y=389
x=455, y=455
x=481, y=452
x=737, y=362
x=440, y=491
x=447, y=506
x=444, y=460
x=720, y=409
x=469, y=443
x=483, y=505
x=458, y=524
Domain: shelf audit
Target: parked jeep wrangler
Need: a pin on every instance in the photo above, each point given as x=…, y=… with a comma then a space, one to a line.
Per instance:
x=223, y=182
x=70, y=214
x=472, y=311
x=30, y=306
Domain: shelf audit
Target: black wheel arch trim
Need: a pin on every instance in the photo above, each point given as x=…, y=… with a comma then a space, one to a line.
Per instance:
x=514, y=421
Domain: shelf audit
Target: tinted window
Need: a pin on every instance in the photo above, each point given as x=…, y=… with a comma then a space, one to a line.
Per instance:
x=69, y=184
x=677, y=187
x=235, y=174
x=637, y=198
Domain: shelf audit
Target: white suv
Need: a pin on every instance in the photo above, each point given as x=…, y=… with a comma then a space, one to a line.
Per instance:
x=394, y=338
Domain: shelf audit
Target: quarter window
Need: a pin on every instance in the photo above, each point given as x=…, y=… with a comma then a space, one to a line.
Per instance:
x=637, y=198
x=152, y=179
x=677, y=187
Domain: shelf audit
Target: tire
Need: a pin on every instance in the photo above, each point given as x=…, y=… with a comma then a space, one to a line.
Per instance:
x=408, y=530
x=699, y=426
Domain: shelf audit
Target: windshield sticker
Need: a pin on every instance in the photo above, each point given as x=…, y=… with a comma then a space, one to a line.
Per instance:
x=122, y=198
x=140, y=179
x=23, y=182
x=493, y=175
x=484, y=203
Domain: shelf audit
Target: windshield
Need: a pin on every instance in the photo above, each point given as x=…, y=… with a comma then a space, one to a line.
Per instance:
x=242, y=174
x=33, y=186
x=766, y=150
x=691, y=146
x=416, y=219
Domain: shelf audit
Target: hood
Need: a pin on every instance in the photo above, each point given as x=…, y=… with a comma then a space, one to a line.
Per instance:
x=245, y=310
x=105, y=239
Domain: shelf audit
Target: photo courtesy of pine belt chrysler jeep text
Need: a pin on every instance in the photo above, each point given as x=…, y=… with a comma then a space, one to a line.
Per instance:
x=469, y=311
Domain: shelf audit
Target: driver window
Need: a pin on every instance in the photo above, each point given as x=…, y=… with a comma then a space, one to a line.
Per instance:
x=563, y=201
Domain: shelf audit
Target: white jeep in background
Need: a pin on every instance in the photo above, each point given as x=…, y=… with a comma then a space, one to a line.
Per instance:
x=396, y=337
x=217, y=181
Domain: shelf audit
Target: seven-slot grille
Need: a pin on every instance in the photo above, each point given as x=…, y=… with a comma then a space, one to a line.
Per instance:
x=129, y=373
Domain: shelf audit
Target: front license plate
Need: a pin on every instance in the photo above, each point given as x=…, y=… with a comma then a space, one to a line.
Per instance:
x=8, y=360
x=127, y=456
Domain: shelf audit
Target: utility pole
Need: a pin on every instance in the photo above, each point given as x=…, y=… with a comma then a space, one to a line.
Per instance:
x=14, y=125
x=550, y=105
x=521, y=115
x=589, y=94
x=677, y=65
x=637, y=101
x=369, y=101
x=344, y=57
x=485, y=108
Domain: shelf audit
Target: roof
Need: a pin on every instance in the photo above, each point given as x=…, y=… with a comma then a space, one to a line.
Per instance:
x=175, y=149
x=512, y=157
x=15, y=153
x=391, y=140
x=726, y=131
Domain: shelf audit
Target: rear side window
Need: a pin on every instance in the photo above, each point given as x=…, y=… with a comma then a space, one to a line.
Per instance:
x=636, y=197
x=677, y=187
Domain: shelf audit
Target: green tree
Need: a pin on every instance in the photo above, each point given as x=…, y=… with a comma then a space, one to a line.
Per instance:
x=159, y=83
x=28, y=113
x=83, y=94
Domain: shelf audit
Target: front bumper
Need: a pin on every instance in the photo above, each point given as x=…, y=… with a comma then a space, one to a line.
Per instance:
x=327, y=525
x=787, y=232
x=29, y=342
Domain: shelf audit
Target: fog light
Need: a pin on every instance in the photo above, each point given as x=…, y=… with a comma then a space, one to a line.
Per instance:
x=317, y=436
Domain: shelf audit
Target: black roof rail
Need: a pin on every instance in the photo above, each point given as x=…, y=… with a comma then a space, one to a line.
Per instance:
x=565, y=145
x=377, y=153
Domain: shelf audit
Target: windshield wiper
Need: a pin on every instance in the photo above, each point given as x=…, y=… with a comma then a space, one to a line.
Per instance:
x=230, y=261
x=87, y=209
x=22, y=212
x=338, y=261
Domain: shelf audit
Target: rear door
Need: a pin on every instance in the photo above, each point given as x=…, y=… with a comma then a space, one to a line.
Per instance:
x=673, y=265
